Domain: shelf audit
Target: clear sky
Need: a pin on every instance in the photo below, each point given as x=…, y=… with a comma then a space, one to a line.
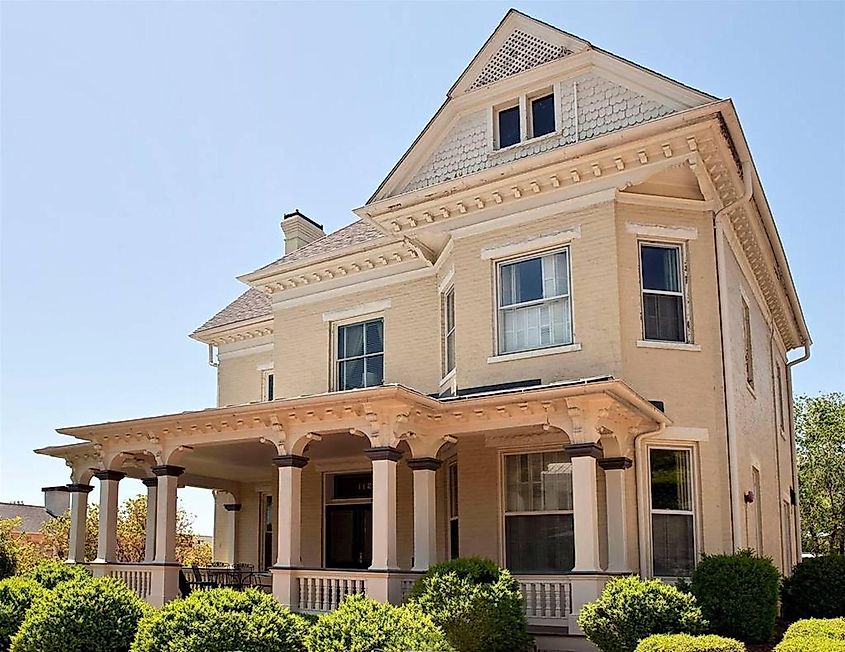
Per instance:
x=149, y=150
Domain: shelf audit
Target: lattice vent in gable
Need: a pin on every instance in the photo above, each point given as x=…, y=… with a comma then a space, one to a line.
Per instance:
x=520, y=51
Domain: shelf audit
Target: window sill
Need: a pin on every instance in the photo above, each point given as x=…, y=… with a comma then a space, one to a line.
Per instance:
x=528, y=141
x=534, y=353
x=674, y=346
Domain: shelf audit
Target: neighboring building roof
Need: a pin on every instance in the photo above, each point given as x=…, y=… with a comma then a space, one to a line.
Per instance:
x=32, y=516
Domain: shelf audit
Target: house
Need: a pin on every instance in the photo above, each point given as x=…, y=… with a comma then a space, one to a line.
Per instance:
x=35, y=517
x=556, y=336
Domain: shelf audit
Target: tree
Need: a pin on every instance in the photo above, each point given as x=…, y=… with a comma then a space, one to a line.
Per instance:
x=820, y=444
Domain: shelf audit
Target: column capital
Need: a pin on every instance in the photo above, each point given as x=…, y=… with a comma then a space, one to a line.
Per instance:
x=616, y=463
x=584, y=449
x=424, y=463
x=150, y=482
x=108, y=474
x=232, y=507
x=80, y=488
x=61, y=487
x=168, y=469
x=378, y=453
x=285, y=461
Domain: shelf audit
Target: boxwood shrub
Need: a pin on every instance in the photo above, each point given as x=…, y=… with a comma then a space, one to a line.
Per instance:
x=630, y=609
x=50, y=573
x=221, y=619
x=687, y=643
x=16, y=596
x=810, y=644
x=8, y=560
x=477, y=604
x=361, y=624
x=816, y=589
x=87, y=615
x=738, y=594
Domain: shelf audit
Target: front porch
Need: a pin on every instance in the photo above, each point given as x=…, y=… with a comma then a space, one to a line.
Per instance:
x=362, y=491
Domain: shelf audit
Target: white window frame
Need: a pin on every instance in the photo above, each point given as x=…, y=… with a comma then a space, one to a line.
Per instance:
x=684, y=293
x=448, y=292
x=334, y=379
x=529, y=111
x=748, y=343
x=523, y=102
x=694, y=493
x=498, y=321
x=266, y=375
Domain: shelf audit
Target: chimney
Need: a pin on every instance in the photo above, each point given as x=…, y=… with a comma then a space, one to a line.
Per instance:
x=56, y=500
x=299, y=231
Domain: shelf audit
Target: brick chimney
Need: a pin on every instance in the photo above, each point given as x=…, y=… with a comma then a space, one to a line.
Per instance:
x=299, y=230
x=56, y=500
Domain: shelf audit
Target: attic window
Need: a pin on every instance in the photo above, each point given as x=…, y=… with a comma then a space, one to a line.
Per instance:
x=542, y=115
x=509, y=130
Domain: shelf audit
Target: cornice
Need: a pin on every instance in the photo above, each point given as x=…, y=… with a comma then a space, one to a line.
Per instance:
x=241, y=331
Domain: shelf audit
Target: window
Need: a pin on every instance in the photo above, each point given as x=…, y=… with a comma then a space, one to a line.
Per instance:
x=452, y=490
x=267, y=532
x=534, y=303
x=538, y=513
x=449, y=331
x=267, y=384
x=781, y=417
x=662, y=281
x=758, y=508
x=672, y=518
x=749, y=354
x=509, y=128
x=542, y=115
x=360, y=355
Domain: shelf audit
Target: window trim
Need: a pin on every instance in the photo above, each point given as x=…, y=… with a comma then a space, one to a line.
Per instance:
x=681, y=248
x=499, y=353
x=446, y=372
x=334, y=327
x=529, y=113
x=523, y=102
x=268, y=385
x=497, y=110
x=748, y=344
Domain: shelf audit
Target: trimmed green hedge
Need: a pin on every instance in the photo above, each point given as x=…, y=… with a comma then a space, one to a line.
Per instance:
x=630, y=609
x=361, y=624
x=832, y=628
x=221, y=619
x=687, y=643
x=90, y=615
x=810, y=644
x=477, y=604
x=816, y=589
x=50, y=574
x=16, y=597
x=738, y=594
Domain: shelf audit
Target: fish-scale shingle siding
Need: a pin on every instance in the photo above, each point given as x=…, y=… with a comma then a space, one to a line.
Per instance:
x=603, y=107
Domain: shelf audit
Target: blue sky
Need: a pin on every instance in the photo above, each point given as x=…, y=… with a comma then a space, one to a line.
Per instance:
x=149, y=150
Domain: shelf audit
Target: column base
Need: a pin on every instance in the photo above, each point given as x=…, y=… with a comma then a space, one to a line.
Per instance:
x=285, y=587
x=164, y=582
x=384, y=586
x=584, y=589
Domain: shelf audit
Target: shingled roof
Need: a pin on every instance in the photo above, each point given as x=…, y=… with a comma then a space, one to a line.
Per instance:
x=253, y=304
x=32, y=516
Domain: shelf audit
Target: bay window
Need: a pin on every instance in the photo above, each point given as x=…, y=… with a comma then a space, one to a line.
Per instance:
x=360, y=355
x=538, y=513
x=534, y=303
x=672, y=513
x=662, y=282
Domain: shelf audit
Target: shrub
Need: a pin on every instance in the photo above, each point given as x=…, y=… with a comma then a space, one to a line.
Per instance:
x=361, y=624
x=8, y=560
x=630, y=609
x=816, y=589
x=221, y=619
x=50, y=573
x=477, y=604
x=810, y=644
x=16, y=596
x=738, y=594
x=832, y=628
x=687, y=643
x=90, y=615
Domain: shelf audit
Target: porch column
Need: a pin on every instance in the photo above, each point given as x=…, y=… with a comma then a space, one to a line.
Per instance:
x=288, y=509
x=384, y=459
x=425, y=542
x=152, y=494
x=107, y=535
x=168, y=479
x=232, y=510
x=617, y=513
x=78, y=521
x=585, y=509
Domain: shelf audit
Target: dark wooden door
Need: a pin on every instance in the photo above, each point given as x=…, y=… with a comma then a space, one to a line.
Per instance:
x=349, y=537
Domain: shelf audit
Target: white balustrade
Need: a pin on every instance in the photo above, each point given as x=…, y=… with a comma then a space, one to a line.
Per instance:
x=324, y=591
x=546, y=598
x=136, y=577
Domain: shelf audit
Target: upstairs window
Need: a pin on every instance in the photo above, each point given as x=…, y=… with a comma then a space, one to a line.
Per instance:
x=449, y=331
x=542, y=115
x=360, y=355
x=268, y=385
x=509, y=127
x=749, y=352
x=661, y=270
x=534, y=303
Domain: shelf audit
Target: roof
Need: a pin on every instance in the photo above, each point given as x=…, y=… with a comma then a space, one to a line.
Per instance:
x=252, y=304
x=32, y=516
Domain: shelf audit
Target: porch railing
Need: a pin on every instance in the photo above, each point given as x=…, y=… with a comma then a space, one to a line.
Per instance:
x=138, y=577
x=547, y=598
x=321, y=591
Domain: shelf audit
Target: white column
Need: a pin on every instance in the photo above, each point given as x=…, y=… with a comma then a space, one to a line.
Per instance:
x=617, y=513
x=78, y=522
x=288, y=510
x=107, y=535
x=384, y=459
x=585, y=506
x=425, y=541
x=152, y=506
x=168, y=479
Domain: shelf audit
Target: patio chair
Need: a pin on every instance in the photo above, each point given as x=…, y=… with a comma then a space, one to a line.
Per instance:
x=199, y=581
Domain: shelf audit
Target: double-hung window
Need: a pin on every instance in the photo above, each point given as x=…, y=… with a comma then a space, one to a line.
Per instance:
x=449, y=331
x=542, y=115
x=749, y=351
x=534, y=303
x=509, y=127
x=662, y=279
x=360, y=354
x=538, y=513
x=672, y=515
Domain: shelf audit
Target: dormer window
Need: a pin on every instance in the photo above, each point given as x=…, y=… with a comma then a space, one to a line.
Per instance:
x=542, y=115
x=509, y=131
x=529, y=116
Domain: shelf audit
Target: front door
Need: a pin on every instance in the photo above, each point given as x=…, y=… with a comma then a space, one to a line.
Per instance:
x=349, y=536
